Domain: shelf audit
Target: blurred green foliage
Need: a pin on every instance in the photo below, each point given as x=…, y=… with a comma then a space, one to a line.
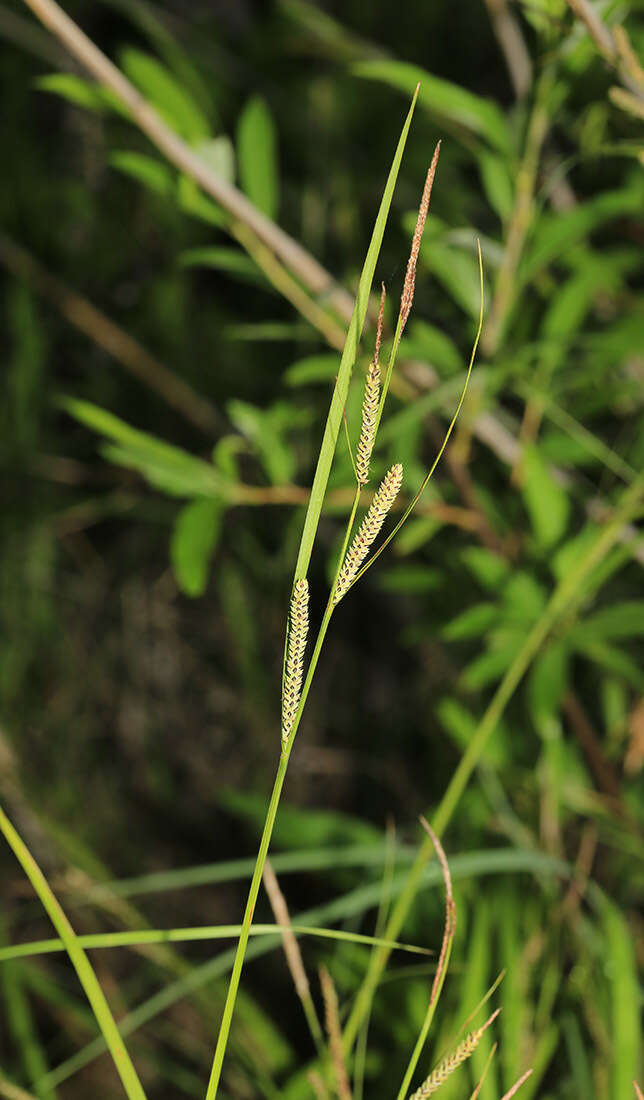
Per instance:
x=162, y=411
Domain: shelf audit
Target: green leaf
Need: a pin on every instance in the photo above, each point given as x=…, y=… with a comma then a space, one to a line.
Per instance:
x=193, y=201
x=265, y=429
x=301, y=828
x=458, y=271
x=446, y=102
x=218, y=153
x=257, y=153
x=231, y=260
x=620, y=620
x=314, y=368
x=425, y=341
x=497, y=183
x=621, y=971
x=152, y=173
x=172, y=101
x=490, y=666
x=490, y=570
x=548, y=682
x=166, y=467
x=547, y=503
x=555, y=234
x=82, y=93
x=471, y=623
x=194, y=537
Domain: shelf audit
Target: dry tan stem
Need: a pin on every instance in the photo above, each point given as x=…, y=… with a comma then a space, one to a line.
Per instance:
x=450, y=910
x=291, y=946
x=332, y=1019
x=109, y=336
x=516, y=1086
x=312, y=274
x=508, y=33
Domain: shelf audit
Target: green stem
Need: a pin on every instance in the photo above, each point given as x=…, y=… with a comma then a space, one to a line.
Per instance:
x=82, y=965
x=231, y=996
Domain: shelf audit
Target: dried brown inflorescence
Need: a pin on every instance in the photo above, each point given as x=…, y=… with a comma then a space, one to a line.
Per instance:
x=446, y=1068
x=368, y=530
x=407, y=297
x=298, y=630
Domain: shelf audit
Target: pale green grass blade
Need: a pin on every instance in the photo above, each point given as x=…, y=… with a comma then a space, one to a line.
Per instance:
x=336, y=411
x=621, y=968
x=308, y=859
x=81, y=963
x=358, y=901
x=192, y=935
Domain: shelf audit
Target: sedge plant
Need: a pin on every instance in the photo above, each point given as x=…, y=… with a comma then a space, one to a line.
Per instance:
x=356, y=554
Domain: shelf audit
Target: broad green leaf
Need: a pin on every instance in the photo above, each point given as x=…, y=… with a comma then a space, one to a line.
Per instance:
x=193, y=201
x=547, y=503
x=458, y=271
x=176, y=105
x=314, y=368
x=257, y=155
x=428, y=342
x=625, y=1024
x=194, y=537
x=548, y=682
x=231, y=260
x=218, y=153
x=82, y=93
x=298, y=828
x=490, y=570
x=460, y=724
x=497, y=183
x=554, y=234
x=165, y=466
x=152, y=173
x=448, y=103
x=620, y=620
x=609, y=657
x=472, y=623
x=490, y=666
x=265, y=429
x=523, y=598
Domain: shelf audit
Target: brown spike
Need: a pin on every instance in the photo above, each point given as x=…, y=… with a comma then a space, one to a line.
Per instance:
x=407, y=296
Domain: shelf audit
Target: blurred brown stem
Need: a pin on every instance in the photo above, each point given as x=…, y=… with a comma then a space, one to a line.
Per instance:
x=108, y=335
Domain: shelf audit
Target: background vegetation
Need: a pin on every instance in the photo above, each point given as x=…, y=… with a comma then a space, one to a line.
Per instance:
x=143, y=588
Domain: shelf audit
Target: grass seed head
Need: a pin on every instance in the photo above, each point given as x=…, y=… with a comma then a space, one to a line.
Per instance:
x=407, y=297
x=298, y=630
x=368, y=530
x=369, y=420
x=446, y=1067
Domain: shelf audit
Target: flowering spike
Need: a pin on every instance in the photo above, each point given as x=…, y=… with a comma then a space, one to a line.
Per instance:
x=368, y=530
x=369, y=420
x=446, y=1067
x=410, y=278
x=298, y=629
